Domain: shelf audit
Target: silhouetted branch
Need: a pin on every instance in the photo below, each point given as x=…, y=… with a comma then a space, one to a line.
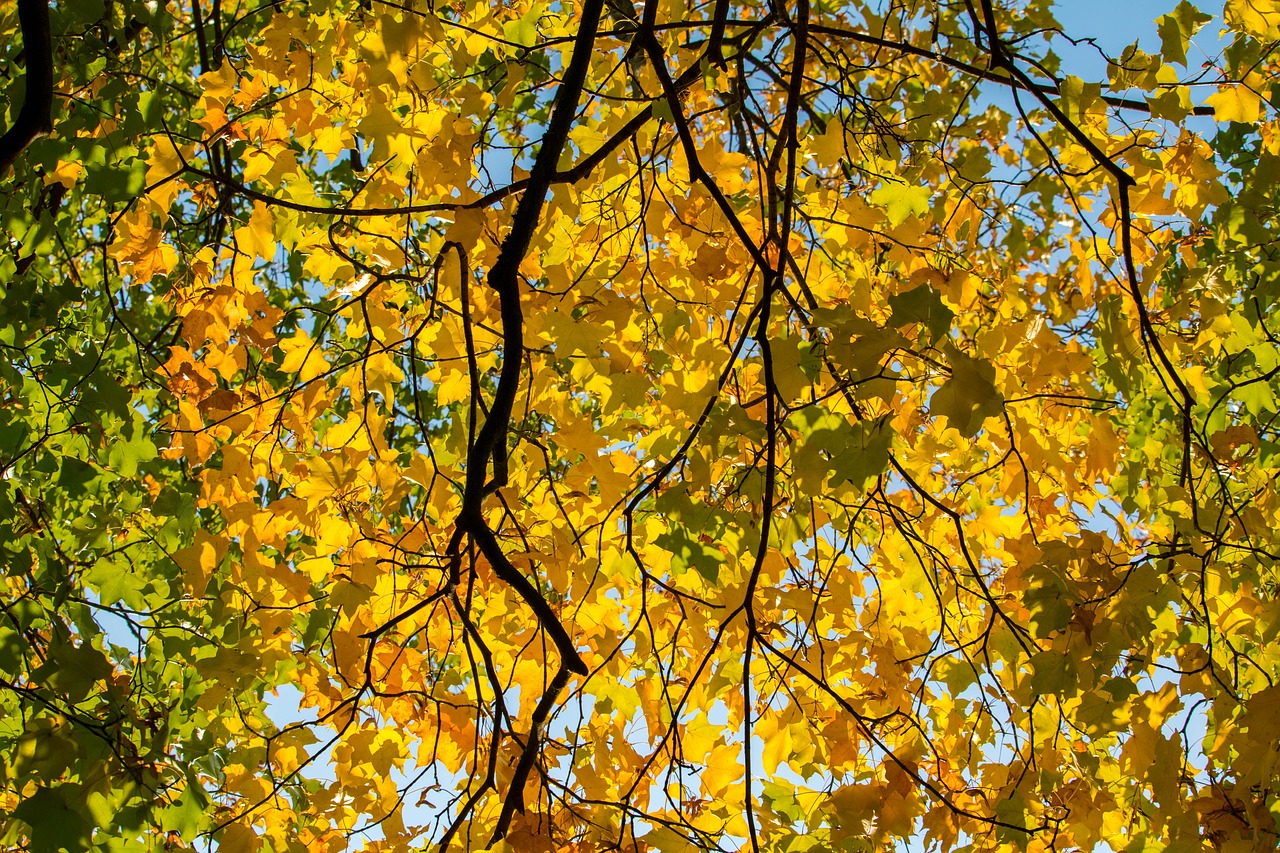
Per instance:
x=35, y=118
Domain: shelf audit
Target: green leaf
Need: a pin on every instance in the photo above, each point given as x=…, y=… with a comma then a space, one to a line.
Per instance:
x=126, y=456
x=227, y=666
x=973, y=164
x=72, y=16
x=1100, y=713
x=186, y=816
x=12, y=651
x=1173, y=104
x=1054, y=673
x=56, y=818
x=900, y=201
x=122, y=182
x=75, y=670
x=688, y=552
x=1011, y=811
x=115, y=579
x=867, y=349
x=970, y=396
x=1075, y=97
x=782, y=800
x=794, y=365
x=1048, y=600
x=1176, y=30
x=922, y=305
x=46, y=748
x=76, y=476
x=524, y=31
x=866, y=454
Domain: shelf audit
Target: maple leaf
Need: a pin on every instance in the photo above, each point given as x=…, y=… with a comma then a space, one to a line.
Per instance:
x=1235, y=103
x=969, y=396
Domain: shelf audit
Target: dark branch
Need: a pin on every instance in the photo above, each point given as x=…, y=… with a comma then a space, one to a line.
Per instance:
x=36, y=115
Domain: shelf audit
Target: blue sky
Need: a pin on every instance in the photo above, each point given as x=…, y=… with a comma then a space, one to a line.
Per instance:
x=1116, y=24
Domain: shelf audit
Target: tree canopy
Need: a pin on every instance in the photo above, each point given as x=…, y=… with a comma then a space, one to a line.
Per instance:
x=731, y=425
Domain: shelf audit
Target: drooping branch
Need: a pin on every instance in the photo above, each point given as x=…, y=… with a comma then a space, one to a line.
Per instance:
x=36, y=114
x=504, y=276
x=490, y=445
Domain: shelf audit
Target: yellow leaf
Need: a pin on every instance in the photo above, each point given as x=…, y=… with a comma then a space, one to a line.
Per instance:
x=329, y=474
x=1258, y=18
x=257, y=237
x=776, y=749
x=1236, y=103
x=303, y=357
x=139, y=245
x=219, y=85
x=257, y=163
x=199, y=561
x=165, y=160
x=723, y=768
x=66, y=173
x=238, y=838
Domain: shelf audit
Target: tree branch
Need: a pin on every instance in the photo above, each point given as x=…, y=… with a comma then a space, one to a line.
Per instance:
x=35, y=118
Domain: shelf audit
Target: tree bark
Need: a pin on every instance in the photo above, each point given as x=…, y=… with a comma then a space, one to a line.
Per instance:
x=36, y=114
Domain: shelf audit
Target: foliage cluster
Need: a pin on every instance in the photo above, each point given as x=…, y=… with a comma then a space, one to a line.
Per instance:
x=787, y=426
